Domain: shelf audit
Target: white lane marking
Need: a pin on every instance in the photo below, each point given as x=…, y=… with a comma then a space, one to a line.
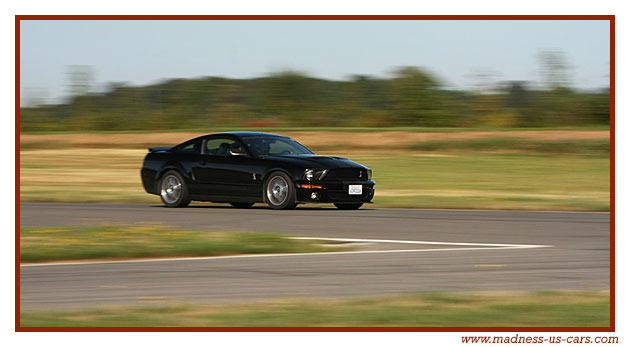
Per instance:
x=476, y=246
x=274, y=255
x=423, y=242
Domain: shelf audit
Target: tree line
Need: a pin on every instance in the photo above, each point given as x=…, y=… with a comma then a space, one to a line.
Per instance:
x=411, y=97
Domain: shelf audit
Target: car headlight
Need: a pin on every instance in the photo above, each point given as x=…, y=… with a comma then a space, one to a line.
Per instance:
x=369, y=173
x=313, y=174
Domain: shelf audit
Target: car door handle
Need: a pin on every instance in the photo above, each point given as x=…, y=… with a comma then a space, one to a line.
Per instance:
x=203, y=163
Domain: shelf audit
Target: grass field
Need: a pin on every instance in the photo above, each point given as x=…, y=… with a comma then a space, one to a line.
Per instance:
x=334, y=129
x=521, y=169
x=395, y=139
x=542, y=309
x=126, y=242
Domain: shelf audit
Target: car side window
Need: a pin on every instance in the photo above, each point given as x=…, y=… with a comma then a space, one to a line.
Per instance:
x=190, y=148
x=220, y=146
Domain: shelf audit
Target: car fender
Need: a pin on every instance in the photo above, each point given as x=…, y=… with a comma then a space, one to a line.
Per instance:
x=274, y=169
x=173, y=165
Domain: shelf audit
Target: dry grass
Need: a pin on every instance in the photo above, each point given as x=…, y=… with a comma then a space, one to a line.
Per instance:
x=315, y=139
x=572, y=176
x=88, y=175
x=152, y=241
x=400, y=139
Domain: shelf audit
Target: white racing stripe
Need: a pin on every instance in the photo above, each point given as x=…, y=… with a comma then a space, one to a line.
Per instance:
x=475, y=247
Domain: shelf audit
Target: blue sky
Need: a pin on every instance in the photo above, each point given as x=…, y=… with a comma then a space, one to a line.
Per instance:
x=145, y=52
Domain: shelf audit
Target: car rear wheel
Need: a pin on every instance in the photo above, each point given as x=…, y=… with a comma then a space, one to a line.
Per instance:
x=279, y=192
x=173, y=190
x=349, y=206
x=242, y=204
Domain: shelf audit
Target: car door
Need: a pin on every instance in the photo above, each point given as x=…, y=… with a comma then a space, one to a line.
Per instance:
x=225, y=168
x=187, y=156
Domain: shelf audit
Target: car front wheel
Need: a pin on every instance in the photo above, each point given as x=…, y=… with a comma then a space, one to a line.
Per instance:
x=279, y=192
x=173, y=190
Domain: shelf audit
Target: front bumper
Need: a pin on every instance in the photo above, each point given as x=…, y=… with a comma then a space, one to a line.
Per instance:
x=333, y=191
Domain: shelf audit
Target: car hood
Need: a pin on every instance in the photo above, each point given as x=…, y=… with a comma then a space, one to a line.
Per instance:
x=313, y=161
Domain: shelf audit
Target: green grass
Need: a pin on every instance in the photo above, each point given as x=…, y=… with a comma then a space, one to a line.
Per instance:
x=119, y=242
x=499, y=181
x=546, y=309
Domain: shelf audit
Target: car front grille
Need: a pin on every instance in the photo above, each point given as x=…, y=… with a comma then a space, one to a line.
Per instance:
x=346, y=174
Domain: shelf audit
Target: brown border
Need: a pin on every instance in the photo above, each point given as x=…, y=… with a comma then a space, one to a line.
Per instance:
x=17, y=174
x=612, y=173
x=610, y=18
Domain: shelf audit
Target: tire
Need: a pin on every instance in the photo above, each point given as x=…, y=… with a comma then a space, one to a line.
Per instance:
x=355, y=206
x=174, y=190
x=242, y=204
x=279, y=192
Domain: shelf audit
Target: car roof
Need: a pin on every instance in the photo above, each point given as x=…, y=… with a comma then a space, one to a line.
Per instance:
x=250, y=133
x=238, y=134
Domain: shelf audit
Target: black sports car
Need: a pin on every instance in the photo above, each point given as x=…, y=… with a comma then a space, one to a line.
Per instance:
x=243, y=168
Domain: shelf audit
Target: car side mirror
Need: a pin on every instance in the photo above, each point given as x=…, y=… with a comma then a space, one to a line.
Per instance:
x=236, y=151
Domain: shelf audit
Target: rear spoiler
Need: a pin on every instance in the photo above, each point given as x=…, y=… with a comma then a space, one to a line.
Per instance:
x=159, y=149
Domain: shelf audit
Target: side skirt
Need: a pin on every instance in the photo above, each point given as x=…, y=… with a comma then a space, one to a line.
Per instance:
x=224, y=199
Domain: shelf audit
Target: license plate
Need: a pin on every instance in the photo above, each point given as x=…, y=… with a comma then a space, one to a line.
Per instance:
x=355, y=189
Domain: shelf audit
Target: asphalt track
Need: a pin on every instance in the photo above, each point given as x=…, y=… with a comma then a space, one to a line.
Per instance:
x=576, y=255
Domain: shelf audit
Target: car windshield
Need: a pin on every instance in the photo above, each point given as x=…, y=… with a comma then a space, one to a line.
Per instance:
x=274, y=145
